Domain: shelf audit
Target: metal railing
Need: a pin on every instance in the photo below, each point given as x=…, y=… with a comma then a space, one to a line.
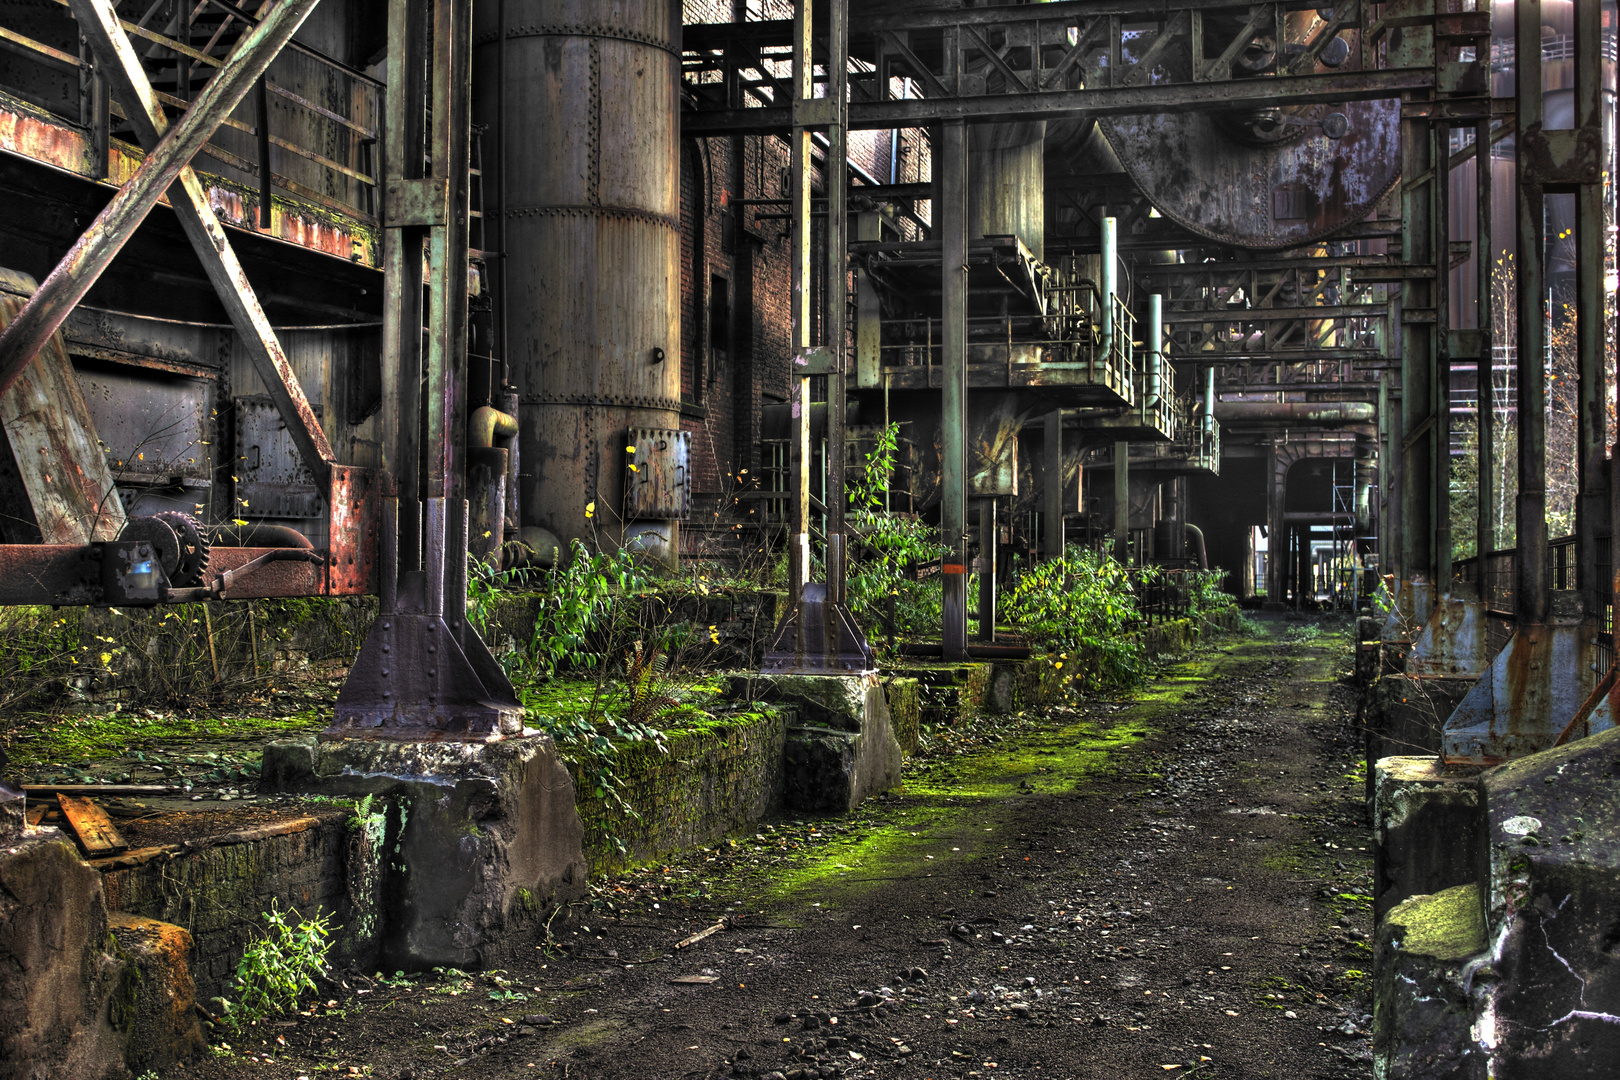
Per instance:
x=1494, y=576
x=1163, y=594
x=319, y=144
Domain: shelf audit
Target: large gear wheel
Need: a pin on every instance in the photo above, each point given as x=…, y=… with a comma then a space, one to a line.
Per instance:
x=191, y=562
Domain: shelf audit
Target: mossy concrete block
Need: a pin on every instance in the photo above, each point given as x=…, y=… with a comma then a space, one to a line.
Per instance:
x=701, y=785
x=830, y=701
x=154, y=1007
x=834, y=769
x=1428, y=827
x=480, y=837
x=58, y=970
x=905, y=711
x=1428, y=950
x=1552, y=1002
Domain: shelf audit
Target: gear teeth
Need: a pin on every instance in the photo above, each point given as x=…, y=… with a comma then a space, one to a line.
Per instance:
x=194, y=547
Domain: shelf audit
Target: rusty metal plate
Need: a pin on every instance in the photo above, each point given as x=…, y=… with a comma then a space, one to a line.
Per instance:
x=657, y=477
x=271, y=478
x=1236, y=178
x=356, y=501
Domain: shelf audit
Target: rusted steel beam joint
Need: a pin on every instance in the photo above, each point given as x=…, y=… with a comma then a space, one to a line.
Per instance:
x=113, y=227
x=100, y=24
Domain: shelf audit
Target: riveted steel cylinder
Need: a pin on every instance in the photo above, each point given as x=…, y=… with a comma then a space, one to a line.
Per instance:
x=587, y=94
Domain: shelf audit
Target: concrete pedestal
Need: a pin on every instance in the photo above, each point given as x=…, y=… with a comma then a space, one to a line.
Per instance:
x=477, y=838
x=1423, y=1012
x=1427, y=828
x=843, y=749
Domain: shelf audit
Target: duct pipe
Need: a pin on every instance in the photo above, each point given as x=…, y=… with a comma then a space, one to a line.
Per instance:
x=1155, y=344
x=1319, y=413
x=1007, y=183
x=1110, y=283
x=487, y=423
x=1315, y=517
x=592, y=219
x=1196, y=535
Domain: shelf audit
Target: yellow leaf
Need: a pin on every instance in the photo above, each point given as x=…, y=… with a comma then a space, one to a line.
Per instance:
x=629, y=449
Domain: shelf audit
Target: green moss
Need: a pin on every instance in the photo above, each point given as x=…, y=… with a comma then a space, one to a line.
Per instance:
x=1447, y=925
x=65, y=739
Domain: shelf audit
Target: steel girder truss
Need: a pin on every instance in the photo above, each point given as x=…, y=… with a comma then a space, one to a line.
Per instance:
x=1030, y=62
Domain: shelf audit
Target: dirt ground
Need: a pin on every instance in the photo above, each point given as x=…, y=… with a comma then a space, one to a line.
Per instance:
x=1171, y=883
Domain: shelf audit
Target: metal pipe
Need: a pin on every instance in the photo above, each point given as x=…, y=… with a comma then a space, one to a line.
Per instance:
x=952, y=163
x=1155, y=344
x=488, y=423
x=258, y=534
x=1197, y=536
x=1440, y=343
x=1110, y=283
x=1322, y=413
x=987, y=570
x=1209, y=397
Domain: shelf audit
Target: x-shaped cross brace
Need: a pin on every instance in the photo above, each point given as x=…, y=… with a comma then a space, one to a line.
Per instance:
x=167, y=168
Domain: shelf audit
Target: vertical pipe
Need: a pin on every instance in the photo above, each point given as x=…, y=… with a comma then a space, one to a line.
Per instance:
x=1209, y=397
x=1155, y=346
x=1122, y=502
x=1485, y=368
x=1530, y=567
x=1110, y=284
x=1052, y=541
x=952, y=163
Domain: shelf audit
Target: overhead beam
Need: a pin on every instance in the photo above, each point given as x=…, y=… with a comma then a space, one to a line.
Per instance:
x=1079, y=104
x=89, y=258
x=99, y=23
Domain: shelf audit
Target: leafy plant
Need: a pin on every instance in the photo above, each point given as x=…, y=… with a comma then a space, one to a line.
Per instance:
x=280, y=967
x=585, y=600
x=887, y=548
x=1081, y=604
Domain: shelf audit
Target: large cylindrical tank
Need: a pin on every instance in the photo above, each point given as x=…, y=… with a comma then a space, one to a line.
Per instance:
x=589, y=92
x=1276, y=176
x=1007, y=183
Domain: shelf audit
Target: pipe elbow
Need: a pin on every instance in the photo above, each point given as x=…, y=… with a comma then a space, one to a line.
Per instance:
x=487, y=423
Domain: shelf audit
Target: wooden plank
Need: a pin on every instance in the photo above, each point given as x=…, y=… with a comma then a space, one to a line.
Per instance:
x=36, y=814
x=38, y=790
x=96, y=832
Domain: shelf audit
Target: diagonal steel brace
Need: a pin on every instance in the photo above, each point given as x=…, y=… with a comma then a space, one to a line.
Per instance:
x=99, y=23
x=90, y=256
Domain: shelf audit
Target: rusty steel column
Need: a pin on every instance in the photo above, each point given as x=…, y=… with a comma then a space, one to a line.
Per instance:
x=591, y=277
x=1122, y=502
x=1418, y=422
x=1485, y=367
x=1440, y=343
x=1592, y=511
x=952, y=162
x=1052, y=540
x=1530, y=566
